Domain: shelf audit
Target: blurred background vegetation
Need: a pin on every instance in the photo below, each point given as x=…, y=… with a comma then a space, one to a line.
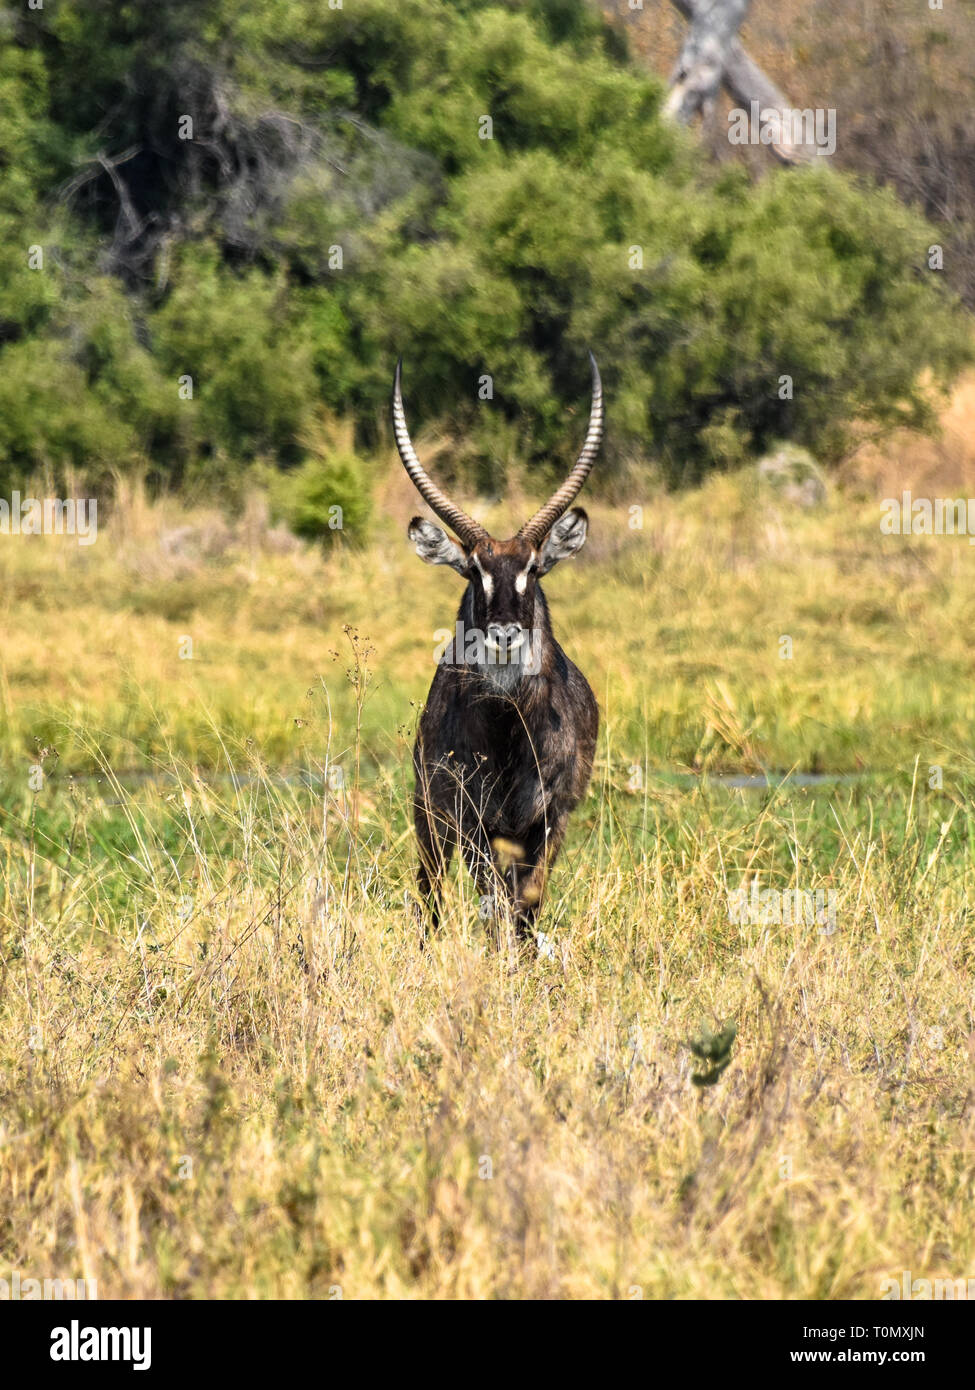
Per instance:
x=246, y=211
x=206, y=719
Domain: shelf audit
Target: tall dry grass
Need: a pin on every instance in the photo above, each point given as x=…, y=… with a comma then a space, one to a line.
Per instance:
x=229, y=1068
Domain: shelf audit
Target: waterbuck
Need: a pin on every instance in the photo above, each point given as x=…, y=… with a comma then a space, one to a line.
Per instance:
x=505, y=744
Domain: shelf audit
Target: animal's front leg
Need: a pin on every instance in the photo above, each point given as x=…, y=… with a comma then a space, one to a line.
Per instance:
x=531, y=873
x=435, y=837
x=491, y=890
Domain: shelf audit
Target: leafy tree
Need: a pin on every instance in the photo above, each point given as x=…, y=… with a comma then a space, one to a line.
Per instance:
x=337, y=199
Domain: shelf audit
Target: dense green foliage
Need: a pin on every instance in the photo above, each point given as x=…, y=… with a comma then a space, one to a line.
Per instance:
x=201, y=300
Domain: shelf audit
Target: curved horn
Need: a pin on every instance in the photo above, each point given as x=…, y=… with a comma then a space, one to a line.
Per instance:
x=469, y=530
x=543, y=521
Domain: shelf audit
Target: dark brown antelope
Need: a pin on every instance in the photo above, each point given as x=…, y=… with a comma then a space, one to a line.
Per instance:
x=506, y=740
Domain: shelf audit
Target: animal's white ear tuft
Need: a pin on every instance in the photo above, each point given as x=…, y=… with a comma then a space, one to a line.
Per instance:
x=435, y=547
x=566, y=537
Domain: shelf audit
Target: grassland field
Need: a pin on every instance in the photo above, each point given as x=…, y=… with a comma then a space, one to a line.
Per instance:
x=228, y=1067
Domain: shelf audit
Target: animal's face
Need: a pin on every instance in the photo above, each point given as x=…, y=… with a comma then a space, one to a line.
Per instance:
x=502, y=574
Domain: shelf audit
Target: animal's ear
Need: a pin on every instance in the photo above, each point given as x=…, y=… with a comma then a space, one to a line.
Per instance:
x=566, y=537
x=435, y=547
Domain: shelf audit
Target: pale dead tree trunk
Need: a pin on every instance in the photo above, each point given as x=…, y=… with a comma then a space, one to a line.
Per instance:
x=695, y=80
x=713, y=56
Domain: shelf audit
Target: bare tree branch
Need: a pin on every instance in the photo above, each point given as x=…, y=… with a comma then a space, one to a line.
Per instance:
x=740, y=75
x=697, y=76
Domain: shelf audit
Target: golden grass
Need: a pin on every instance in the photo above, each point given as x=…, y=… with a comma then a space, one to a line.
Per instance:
x=678, y=626
x=227, y=1066
x=236, y=1073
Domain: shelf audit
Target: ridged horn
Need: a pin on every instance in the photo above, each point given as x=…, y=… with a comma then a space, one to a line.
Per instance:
x=542, y=522
x=467, y=529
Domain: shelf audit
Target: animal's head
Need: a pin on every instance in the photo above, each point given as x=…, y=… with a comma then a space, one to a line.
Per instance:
x=503, y=574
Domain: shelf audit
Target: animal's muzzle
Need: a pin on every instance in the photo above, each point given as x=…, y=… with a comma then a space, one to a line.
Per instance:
x=505, y=640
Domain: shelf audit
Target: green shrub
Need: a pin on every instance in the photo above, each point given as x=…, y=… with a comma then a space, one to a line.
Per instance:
x=328, y=495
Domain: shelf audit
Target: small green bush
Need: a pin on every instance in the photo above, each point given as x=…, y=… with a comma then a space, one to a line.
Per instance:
x=328, y=495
